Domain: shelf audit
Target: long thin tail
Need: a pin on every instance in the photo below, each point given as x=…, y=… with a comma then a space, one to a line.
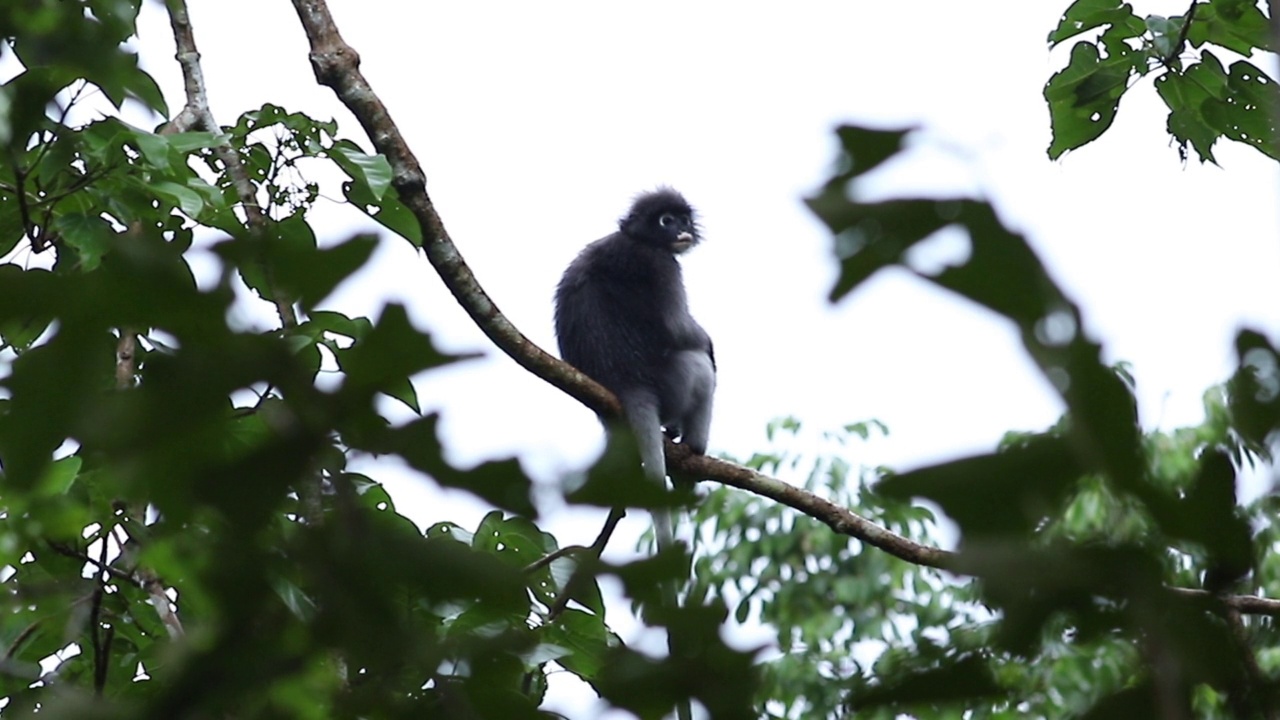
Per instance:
x=642, y=415
x=662, y=529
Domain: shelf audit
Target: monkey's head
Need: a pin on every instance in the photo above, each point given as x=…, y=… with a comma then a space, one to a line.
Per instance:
x=664, y=219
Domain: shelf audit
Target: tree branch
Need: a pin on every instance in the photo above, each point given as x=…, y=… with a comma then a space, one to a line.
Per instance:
x=1182, y=35
x=842, y=520
x=100, y=640
x=140, y=577
x=101, y=566
x=337, y=66
x=1245, y=604
x=584, y=567
x=549, y=558
x=196, y=114
x=126, y=359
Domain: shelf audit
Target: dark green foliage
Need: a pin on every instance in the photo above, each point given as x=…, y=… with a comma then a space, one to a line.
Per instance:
x=1032, y=477
x=1255, y=389
x=873, y=236
x=1075, y=538
x=208, y=469
x=205, y=462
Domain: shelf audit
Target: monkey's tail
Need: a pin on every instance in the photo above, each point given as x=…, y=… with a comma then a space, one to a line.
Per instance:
x=664, y=534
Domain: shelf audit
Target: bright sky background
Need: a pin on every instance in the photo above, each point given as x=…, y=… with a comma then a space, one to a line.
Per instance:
x=537, y=122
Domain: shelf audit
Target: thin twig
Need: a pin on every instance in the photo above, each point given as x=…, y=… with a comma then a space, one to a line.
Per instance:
x=160, y=601
x=29, y=630
x=114, y=572
x=22, y=638
x=101, y=644
x=140, y=577
x=552, y=557
x=1182, y=35
x=584, y=567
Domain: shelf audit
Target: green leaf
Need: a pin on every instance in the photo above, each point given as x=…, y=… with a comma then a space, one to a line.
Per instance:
x=387, y=210
x=155, y=148
x=514, y=540
x=502, y=483
x=1247, y=114
x=872, y=236
x=187, y=142
x=390, y=354
x=866, y=149
x=144, y=88
x=404, y=391
x=1085, y=15
x=961, y=681
x=313, y=276
x=89, y=236
x=585, y=637
x=287, y=261
x=19, y=332
x=719, y=677
x=1255, y=388
x=1166, y=34
x=327, y=321
x=1083, y=97
x=61, y=474
x=1139, y=700
x=1238, y=25
x=1028, y=482
x=185, y=198
x=30, y=92
x=1186, y=93
x=371, y=172
x=295, y=599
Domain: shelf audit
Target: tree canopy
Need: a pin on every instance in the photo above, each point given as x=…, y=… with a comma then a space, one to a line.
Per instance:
x=181, y=535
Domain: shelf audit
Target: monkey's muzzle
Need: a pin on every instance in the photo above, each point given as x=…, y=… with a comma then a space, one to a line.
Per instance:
x=683, y=242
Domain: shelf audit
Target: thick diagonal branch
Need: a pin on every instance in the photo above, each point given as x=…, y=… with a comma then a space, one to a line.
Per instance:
x=337, y=66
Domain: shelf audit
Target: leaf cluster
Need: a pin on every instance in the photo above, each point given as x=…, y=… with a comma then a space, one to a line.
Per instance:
x=1082, y=539
x=180, y=534
x=1207, y=101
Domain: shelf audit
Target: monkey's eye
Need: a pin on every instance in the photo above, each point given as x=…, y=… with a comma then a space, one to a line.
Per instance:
x=667, y=220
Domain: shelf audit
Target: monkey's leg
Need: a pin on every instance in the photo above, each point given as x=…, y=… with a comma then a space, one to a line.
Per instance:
x=691, y=397
x=641, y=409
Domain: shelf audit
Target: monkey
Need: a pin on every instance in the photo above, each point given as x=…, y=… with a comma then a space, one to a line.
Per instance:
x=622, y=318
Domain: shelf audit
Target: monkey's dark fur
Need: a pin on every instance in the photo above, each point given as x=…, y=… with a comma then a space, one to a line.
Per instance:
x=623, y=319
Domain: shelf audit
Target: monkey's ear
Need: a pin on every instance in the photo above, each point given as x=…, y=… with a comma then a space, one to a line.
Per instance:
x=630, y=225
x=635, y=224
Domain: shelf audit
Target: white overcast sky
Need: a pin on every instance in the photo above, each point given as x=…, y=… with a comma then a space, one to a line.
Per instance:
x=537, y=122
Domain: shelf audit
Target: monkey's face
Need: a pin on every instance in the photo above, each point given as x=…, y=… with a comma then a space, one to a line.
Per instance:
x=677, y=231
x=662, y=219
